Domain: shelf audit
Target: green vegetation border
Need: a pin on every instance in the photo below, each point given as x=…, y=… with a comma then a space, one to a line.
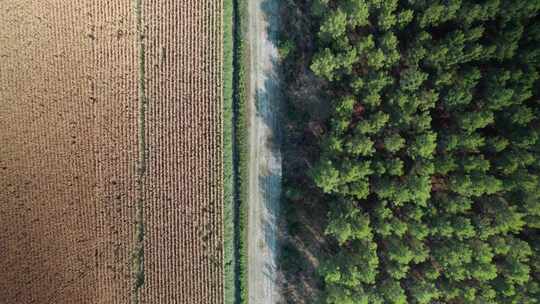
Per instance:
x=241, y=61
x=235, y=153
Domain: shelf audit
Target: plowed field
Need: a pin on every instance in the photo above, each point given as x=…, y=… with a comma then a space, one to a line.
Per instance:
x=85, y=88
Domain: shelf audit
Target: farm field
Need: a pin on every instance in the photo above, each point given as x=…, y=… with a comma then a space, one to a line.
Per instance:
x=183, y=189
x=111, y=154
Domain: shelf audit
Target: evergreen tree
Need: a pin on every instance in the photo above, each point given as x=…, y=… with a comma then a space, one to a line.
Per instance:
x=430, y=160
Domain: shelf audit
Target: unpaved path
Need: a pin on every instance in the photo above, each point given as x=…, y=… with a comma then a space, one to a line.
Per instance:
x=265, y=157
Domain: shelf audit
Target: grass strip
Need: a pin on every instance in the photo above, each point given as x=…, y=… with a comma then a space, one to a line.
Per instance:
x=229, y=252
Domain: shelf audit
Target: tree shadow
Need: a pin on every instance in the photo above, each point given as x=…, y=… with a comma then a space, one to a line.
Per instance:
x=269, y=108
x=289, y=89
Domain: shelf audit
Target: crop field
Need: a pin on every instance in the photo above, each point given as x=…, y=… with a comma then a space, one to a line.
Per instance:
x=183, y=188
x=111, y=155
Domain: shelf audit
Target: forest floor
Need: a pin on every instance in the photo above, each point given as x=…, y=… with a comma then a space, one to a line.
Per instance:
x=265, y=155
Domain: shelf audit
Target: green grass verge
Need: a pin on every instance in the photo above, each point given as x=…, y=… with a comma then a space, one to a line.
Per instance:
x=229, y=255
x=241, y=63
x=235, y=151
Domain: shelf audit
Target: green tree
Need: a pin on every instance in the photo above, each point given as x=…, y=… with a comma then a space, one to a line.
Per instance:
x=429, y=159
x=347, y=222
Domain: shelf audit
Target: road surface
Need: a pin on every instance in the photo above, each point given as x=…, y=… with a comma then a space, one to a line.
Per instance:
x=265, y=157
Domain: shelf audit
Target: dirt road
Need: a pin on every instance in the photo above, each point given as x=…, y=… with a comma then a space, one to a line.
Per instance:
x=265, y=156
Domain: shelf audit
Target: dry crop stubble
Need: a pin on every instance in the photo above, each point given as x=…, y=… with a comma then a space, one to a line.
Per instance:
x=70, y=85
x=183, y=181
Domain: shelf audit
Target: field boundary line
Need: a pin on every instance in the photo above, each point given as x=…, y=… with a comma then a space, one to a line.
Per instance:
x=138, y=250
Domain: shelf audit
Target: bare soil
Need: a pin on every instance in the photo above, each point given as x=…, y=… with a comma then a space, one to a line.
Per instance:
x=68, y=145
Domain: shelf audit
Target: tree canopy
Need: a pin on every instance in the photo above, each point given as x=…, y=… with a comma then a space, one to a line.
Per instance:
x=434, y=185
